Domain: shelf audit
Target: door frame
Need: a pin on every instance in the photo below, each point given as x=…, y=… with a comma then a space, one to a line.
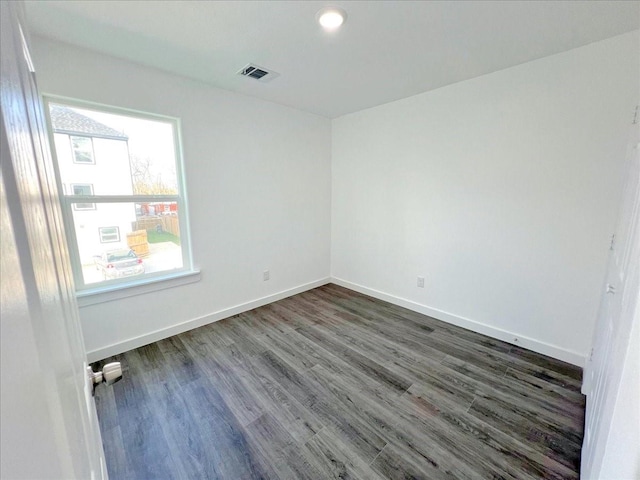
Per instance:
x=48, y=397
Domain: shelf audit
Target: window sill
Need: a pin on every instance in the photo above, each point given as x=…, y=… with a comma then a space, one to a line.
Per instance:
x=93, y=296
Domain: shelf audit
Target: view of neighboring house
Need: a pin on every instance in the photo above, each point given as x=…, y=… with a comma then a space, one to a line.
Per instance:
x=94, y=160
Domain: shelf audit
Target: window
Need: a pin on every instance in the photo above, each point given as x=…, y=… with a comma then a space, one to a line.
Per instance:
x=133, y=196
x=82, y=189
x=109, y=234
x=82, y=148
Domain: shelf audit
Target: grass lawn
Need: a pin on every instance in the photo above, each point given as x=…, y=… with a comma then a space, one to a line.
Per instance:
x=159, y=237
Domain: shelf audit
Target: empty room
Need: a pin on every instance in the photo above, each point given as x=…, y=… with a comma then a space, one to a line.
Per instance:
x=317, y=240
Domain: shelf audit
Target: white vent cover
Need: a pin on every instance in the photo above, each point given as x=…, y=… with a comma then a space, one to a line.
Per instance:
x=258, y=73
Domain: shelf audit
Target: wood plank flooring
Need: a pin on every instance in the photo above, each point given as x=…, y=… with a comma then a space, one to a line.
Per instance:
x=334, y=384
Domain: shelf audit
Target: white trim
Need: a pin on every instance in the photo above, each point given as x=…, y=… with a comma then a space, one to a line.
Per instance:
x=116, y=348
x=554, y=351
x=102, y=294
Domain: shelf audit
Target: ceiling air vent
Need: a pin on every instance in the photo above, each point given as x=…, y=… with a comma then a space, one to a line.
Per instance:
x=259, y=73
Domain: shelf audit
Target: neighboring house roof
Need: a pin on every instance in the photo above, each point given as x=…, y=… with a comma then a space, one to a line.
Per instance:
x=66, y=120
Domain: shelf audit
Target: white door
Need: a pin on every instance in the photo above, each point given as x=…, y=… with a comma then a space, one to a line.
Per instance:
x=48, y=417
x=618, y=307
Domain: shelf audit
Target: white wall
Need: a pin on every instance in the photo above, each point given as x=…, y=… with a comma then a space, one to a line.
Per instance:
x=258, y=179
x=500, y=190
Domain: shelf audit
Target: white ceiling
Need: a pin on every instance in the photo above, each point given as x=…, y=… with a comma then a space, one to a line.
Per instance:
x=386, y=50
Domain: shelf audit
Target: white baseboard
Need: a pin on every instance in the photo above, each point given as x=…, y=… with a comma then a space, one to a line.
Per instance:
x=148, y=338
x=554, y=351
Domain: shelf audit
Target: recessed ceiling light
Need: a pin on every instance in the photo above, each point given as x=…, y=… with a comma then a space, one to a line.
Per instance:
x=331, y=17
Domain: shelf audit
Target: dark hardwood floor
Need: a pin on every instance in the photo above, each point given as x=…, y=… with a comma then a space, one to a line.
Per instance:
x=334, y=384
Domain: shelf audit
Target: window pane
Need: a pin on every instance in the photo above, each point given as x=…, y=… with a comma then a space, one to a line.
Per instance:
x=82, y=149
x=112, y=157
x=122, y=241
x=109, y=234
x=117, y=154
x=82, y=189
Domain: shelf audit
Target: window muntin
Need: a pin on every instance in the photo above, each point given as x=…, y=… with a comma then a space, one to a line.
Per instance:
x=136, y=189
x=109, y=234
x=82, y=148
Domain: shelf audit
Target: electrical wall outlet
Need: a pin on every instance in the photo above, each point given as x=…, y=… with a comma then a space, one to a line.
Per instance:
x=265, y=275
x=421, y=282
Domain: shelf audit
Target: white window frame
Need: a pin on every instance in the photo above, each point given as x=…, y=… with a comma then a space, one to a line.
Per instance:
x=73, y=150
x=76, y=206
x=109, y=290
x=102, y=234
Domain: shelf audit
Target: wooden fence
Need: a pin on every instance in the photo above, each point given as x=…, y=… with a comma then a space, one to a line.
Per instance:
x=164, y=223
x=137, y=242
